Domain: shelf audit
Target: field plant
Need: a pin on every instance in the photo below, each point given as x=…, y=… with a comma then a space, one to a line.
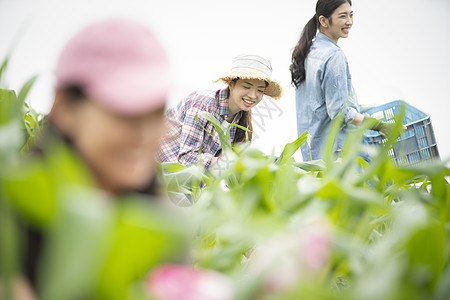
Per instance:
x=261, y=226
x=338, y=228
x=20, y=126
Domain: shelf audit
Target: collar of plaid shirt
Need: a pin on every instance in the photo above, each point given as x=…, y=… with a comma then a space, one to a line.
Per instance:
x=222, y=95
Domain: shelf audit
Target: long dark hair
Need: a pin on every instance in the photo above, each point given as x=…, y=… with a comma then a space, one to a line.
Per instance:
x=323, y=8
x=245, y=121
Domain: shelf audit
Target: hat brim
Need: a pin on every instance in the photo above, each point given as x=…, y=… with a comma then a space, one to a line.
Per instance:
x=273, y=89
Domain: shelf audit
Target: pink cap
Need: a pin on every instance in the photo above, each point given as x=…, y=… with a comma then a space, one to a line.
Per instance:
x=119, y=63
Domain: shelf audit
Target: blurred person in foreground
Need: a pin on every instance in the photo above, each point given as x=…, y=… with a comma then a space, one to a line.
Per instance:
x=188, y=141
x=83, y=193
x=321, y=76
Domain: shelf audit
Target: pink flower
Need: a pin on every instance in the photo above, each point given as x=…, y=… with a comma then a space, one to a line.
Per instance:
x=277, y=260
x=286, y=259
x=178, y=282
x=316, y=246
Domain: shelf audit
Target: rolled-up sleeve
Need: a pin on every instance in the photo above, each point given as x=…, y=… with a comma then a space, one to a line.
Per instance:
x=191, y=139
x=338, y=92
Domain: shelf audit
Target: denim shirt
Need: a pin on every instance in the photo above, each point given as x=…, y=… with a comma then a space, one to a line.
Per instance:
x=326, y=93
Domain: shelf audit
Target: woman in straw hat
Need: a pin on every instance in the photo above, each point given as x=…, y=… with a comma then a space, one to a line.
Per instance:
x=187, y=142
x=321, y=75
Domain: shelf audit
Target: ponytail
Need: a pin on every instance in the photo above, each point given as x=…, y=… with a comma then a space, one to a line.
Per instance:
x=301, y=50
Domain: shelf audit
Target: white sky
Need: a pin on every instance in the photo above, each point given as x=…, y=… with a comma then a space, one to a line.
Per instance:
x=396, y=49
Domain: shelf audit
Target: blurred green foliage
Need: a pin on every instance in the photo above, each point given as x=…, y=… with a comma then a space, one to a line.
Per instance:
x=16, y=117
x=366, y=230
x=389, y=225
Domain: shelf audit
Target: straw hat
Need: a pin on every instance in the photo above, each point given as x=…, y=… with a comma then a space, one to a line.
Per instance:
x=247, y=66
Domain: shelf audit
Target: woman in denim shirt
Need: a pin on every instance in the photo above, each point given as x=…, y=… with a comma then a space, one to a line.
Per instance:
x=322, y=78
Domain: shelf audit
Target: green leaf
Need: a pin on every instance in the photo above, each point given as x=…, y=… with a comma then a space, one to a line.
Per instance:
x=9, y=242
x=226, y=143
x=3, y=68
x=144, y=236
x=10, y=107
x=172, y=167
x=228, y=134
x=291, y=148
x=83, y=229
x=29, y=183
x=312, y=166
x=426, y=251
x=329, y=147
x=25, y=89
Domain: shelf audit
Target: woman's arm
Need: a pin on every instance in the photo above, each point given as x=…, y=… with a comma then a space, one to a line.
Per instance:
x=339, y=96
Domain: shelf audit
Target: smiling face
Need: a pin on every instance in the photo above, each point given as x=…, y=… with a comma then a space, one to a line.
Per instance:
x=118, y=149
x=339, y=24
x=245, y=94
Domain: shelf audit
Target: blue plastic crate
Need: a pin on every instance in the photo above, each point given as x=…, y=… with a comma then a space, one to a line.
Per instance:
x=416, y=145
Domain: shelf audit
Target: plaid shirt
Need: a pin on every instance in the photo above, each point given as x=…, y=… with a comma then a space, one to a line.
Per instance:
x=186, y=141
